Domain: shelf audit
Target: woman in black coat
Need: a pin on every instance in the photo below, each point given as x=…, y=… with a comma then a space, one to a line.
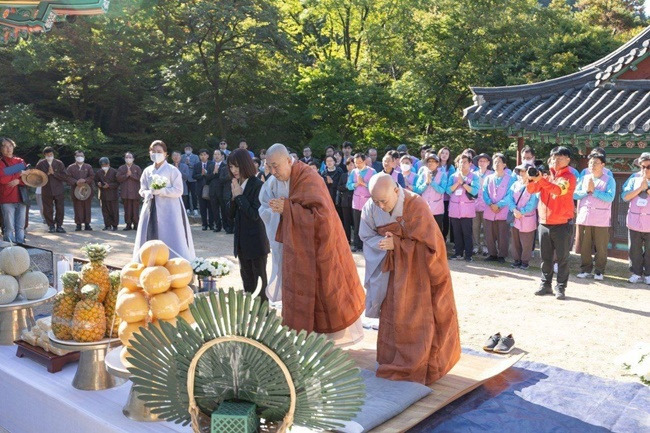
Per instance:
x=331, y=175
x=251, y=244
x=345, y=198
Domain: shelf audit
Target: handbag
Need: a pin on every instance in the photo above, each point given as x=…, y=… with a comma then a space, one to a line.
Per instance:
x=205, y=192
x=511, y=216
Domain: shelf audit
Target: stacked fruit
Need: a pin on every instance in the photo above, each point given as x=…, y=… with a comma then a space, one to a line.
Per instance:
x=85, y=310
x=154, y=290
x=18, y=279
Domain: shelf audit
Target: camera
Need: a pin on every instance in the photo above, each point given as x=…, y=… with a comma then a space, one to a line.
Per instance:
x=536, y=171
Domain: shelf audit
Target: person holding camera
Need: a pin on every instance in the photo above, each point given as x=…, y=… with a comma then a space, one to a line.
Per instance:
x=463, y=188
x=555, y=210
x=635, y=192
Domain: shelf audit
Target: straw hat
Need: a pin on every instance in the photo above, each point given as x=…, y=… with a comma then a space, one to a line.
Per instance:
x=34, y=178
x=83, y=191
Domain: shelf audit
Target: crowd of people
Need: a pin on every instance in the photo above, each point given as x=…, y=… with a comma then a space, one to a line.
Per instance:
x=480, y=205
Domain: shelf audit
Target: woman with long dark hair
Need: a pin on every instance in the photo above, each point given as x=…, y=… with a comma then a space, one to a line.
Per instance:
x=251, y=245
x=446, y=166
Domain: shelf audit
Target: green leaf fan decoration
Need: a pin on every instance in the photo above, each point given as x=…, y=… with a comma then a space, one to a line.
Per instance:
x=328, y=386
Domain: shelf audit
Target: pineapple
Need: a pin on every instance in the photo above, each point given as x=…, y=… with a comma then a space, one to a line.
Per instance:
x=89, y=319
x=96, y=272
x=64, y=304
x=109, y=305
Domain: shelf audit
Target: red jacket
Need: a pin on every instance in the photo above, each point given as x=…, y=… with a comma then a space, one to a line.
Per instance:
x=556, y=197
x=9, y=194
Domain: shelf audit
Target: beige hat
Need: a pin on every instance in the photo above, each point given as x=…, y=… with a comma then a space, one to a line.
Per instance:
x=34, y=178
x=83, y=191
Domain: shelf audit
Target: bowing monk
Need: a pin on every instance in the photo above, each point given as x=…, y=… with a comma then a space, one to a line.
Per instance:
x=408, y=285
x=320, y=286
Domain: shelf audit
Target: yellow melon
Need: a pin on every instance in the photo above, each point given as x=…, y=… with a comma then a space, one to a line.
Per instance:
x=153, y=253
x=187, y=315
x=132, y=306
x=126, y=330
x=181, y=272
x=130, y=276
x=165, y=306
x=124, y=352
x=155, y=280
x=186, y=296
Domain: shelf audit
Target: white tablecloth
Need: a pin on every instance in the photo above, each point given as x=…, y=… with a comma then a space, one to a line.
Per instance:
x=35, y=401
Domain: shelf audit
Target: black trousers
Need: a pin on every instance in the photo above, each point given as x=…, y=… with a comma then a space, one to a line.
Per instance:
x=555, y=240
x=356, y=215
x=462, y=229
x=215, y=205
x=225, y=214
x=348, y=221
x=440, y=219
x=446, y=226
x=207, y=219
x=251, y=270
x=192, y=202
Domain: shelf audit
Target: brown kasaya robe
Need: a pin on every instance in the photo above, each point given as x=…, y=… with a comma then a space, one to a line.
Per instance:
x=418, y=336
x=321, y=290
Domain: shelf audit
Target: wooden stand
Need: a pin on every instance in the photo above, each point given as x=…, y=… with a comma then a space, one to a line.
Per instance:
x=54, y=363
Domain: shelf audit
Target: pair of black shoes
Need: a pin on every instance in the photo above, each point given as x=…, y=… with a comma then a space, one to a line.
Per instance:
x=128, y=227
x=498, y=344
x=56, y=230
x=106, y=228
x=546, y=290
x=495, y=259
x=518, y=264
x=88, y=228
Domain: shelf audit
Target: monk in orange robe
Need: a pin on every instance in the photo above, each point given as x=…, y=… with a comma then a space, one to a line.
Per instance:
x=409, y=285
x=321, y=290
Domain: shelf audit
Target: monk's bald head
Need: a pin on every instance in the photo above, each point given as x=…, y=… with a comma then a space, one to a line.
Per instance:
x=384, y=191
x=279, y=161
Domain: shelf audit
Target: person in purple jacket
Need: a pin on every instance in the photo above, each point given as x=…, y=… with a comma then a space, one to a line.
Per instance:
x=358, y=182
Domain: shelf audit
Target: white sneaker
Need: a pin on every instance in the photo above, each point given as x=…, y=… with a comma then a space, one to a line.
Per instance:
x=196, y=213
x=600, y=277
x=485, y=250
x=647, y=280
x=586, y=275
x=637, y=279
x=555, y=267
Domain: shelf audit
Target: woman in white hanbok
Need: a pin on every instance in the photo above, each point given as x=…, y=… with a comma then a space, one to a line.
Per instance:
x=163, y=214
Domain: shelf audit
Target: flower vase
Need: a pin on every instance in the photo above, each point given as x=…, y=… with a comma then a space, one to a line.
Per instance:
x=207, y=284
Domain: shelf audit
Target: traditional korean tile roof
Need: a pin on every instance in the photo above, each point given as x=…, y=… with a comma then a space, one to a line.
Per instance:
x=589, y=102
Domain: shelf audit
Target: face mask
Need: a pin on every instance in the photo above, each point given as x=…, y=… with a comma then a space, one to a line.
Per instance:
x=128, y=160
x=157, y=157
x=405, y=167
x=49, y=159
x=105, y=169
x=188, y=152
x=79, y=159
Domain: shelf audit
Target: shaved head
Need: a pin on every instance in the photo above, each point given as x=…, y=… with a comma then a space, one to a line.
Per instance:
x=279, y=162
x=384, y=191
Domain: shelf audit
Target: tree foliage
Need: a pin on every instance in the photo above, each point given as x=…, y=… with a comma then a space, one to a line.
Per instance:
x=318, y=72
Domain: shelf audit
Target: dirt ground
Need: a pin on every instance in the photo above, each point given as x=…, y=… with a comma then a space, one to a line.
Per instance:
x=586, y=332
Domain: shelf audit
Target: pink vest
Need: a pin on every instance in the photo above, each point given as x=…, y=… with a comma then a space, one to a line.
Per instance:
x=480, y=203
x=395, y=175
x=528, y=222
x=638, y=214
x=592, y=211
x=460, y=206
x=409, y=179
x=496, y=195
x=361, y=194
x=433, y=198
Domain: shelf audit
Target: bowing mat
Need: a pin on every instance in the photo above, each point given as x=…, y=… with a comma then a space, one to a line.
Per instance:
x=469, y=373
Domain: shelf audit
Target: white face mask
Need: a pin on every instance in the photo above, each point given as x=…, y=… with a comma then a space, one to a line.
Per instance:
x=188, y=152
x=405, y=167
x=79, y=159
x=49, y=159
x=105, y=169
x=128, y=160
x=157, y=157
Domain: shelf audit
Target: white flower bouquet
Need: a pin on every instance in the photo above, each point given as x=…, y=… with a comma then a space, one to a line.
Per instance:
x=212, y=266
x=158, y=182
x=637, y=361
